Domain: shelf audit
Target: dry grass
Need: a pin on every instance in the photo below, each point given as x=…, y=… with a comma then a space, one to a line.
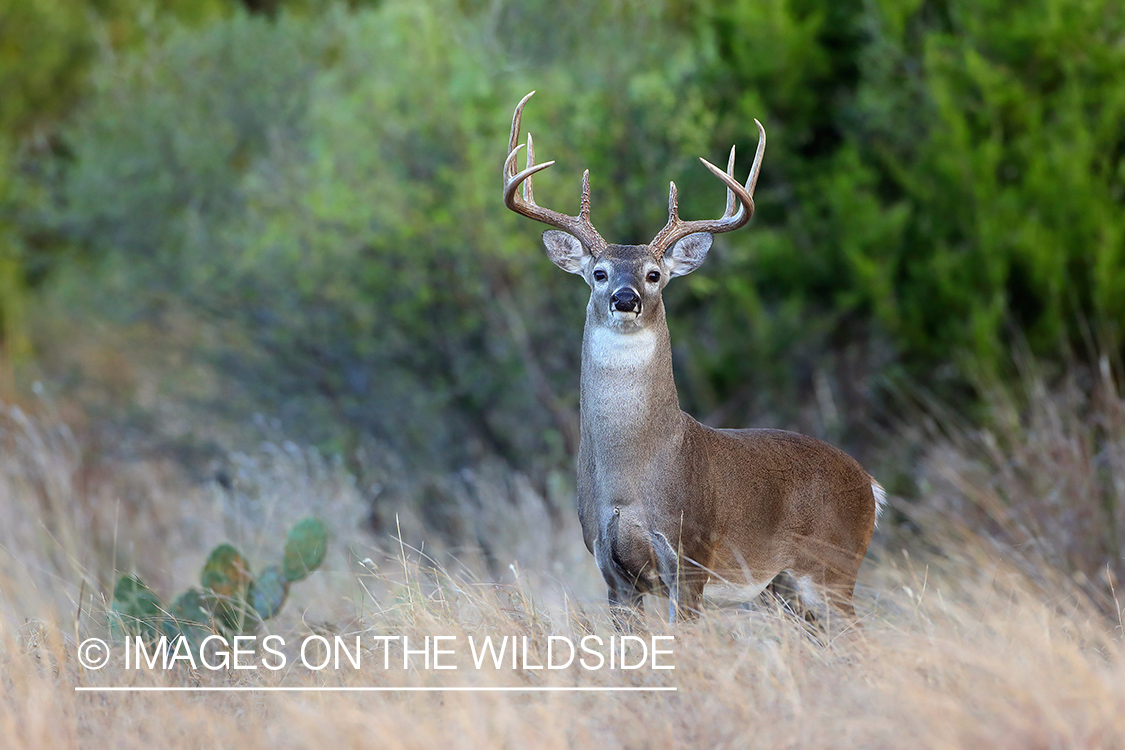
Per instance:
x=962, y=647
x=1045, y=477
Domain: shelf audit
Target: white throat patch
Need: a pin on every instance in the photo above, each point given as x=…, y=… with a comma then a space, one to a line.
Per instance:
x=621, y=351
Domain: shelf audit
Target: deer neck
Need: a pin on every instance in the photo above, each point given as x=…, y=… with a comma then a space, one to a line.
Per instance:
x=629, y=405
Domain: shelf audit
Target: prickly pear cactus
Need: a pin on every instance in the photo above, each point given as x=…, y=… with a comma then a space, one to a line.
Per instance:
x=304, y=549
x=268, y=591
x=226, y=572
x=189, y=617
x=136, y=609
x=226, y=580
x=190, y=606
x=230, y=600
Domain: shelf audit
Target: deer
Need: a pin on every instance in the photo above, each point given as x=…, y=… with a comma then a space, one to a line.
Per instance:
x=668, y=505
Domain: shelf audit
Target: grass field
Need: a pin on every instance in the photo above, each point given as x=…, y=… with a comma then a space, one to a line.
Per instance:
x=964, y=641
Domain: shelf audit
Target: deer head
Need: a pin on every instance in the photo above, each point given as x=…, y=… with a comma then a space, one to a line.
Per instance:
x=626, y=281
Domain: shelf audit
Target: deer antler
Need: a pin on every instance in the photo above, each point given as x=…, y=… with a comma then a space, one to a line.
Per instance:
x=579, y=225
x=676, y=229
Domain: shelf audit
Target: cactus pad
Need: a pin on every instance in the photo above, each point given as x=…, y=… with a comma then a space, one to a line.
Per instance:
x=268, y=591
x=188, y=617
x=137, y=609
x=226, y=572
x=226, y=578
x=190, y=606
x=304, y=548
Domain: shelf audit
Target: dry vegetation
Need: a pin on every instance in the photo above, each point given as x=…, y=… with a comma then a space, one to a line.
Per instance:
x=966, y=640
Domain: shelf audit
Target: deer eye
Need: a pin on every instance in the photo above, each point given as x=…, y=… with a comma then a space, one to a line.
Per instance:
x=599, y=275
x=654, y=276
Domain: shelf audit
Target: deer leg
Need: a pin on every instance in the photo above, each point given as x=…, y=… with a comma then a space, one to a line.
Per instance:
x=817, y=599
x=813, y=600
x=784, y=588
x=684, y=590
x=626, y=606
x=837, y=590
x=826, y=588
x=626, y=603
x=822, y=578
x=801, y=595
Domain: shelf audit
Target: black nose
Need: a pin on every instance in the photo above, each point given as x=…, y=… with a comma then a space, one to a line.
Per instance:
x=625, y=300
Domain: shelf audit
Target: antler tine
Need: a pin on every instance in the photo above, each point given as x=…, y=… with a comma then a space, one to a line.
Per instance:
x=528, y=190
x=584, y=209
x=752, y=180
x=514, y=136
x=579, y=226
x=730, y=193
x=676, y=229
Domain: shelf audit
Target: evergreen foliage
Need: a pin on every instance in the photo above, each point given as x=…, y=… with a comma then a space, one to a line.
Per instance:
x=323, y=182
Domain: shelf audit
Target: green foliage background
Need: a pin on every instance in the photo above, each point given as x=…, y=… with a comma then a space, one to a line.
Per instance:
x=320, y=182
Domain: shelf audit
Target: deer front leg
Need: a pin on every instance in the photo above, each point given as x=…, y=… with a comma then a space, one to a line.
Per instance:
x=683, y=583
x=626, y=603
x=627, y=606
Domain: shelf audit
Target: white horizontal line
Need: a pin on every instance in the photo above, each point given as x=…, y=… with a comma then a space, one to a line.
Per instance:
x=364, y=689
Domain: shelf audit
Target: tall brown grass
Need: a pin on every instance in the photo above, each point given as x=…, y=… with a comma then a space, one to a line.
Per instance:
x=1044, y=479
x=970, y=636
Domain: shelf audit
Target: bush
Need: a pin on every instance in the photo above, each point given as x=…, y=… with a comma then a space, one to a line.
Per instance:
x=346, y=225
x=949, y=172
x=324, y=187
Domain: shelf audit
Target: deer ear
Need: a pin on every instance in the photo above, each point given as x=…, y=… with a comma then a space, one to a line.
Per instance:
x=688, y=254
x=565, y=251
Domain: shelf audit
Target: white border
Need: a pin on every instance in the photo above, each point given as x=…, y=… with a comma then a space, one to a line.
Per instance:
x=363, y=689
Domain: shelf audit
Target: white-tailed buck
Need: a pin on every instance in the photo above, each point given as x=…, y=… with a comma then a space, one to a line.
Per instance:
x=668, y=504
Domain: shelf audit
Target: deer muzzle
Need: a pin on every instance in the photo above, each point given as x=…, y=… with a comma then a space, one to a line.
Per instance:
x=625, y=300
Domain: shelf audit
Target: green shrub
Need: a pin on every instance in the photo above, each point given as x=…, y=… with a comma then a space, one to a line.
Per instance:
x=329, y=191
x=949, y=172
x=324, y=188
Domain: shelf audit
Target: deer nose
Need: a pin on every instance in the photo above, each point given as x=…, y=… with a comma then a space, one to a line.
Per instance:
x=625, y=300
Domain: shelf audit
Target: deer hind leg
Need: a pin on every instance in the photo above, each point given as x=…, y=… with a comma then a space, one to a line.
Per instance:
x=799, y=595
x=814, y=598
x=821, y=578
